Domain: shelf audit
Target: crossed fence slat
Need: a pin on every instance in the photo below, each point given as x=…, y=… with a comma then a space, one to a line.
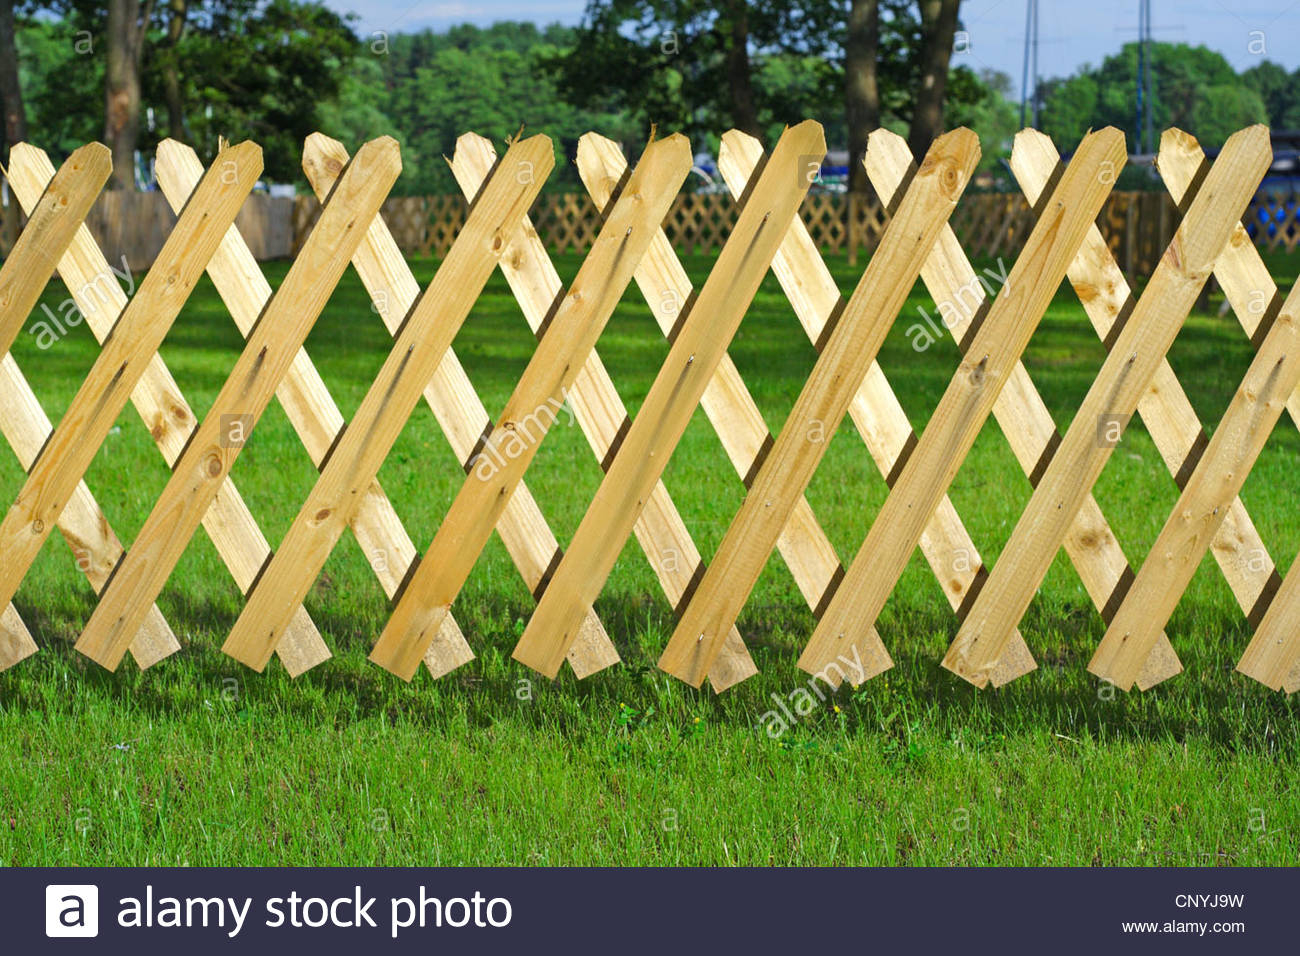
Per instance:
x=51, y=227
x=1021, y=413
x=731, y=410
x=857, y=335
x=1164, y=407
x=459, y=412
x=560, y=355
x=271, y=347
x=417, y=351
x=660, y=530
x=875, y=410
x=306, y=401
x=126, y=359
x=955, y=423
x=633, y=242
x=1113, y=397
x=706, y=330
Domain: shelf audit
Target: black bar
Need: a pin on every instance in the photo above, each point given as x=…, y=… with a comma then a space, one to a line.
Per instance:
x=657, y=911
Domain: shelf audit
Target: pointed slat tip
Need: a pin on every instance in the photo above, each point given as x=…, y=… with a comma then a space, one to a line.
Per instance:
x=881, y=138
x=92, y=152
x=1255, y=137
x=322, y=142
x=473, y=140
x=675, y=143
x=381, y=149
x=1030, y=135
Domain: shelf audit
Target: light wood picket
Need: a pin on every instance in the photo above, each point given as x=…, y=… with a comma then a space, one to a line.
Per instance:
x=1112, y=399
x=541, y=391
x=632, y=219
x=995, y=350
x=163, y=409
x=123, y=361
x=417, y=351
x=303, y=395
x=786, y=471
x=272, y=345
x=692, y=361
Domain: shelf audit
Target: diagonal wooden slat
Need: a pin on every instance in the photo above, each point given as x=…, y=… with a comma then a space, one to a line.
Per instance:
x=1165, y=409
x=705, y=333
x=1113, y=397
x=534, y=404
x=213, y=448
x=595, y=402
x=459, y=412
x=162, y=407
x=953, y=427
x=1020, y=411
x=1256, y=301
x=49, y=231
x=306, y=401
x=875, y=410
x=1217, y=480
x=50, y=227
x=124, y=358
x=824, y=400
x=391, y=399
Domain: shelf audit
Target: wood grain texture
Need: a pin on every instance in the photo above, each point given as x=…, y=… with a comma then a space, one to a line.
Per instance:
x=1165, y=408
x=876, y=412
x=535, y=403
x=1113, y=397
x=593, y=398
x=419, y=347
x=50, y=227
x=307, y=403
x=126, y=354
x=460, y=413
x=692, y=361
x=1255, y=300
x=987, y=364
x=213, y=449
x=1203, y=505
x=820, y=407
x=164, y=411
x=48, y=232
x=1019, y=410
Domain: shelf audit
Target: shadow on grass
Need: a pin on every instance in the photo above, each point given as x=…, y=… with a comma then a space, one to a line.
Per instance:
x=1208, y=703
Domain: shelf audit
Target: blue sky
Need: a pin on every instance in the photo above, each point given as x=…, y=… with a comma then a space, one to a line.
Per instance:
x=1071, y=32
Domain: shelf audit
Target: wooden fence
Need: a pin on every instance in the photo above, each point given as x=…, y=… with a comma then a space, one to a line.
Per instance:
x=1137, y=225
x=994, y=326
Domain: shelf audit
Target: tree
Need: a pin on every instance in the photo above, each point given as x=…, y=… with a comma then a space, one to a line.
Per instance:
x=171, y=68
x=1192, y=88
x=938, y=28
x=124, y=35
x=1280, y=92
x=861, y=88
x=11, y=95
x=697, y=66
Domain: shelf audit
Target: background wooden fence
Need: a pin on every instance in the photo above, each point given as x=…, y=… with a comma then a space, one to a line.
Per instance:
x=1137, y=225
x=993, y=322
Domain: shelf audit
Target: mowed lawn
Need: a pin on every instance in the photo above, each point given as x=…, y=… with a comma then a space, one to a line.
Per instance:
x=201, y=761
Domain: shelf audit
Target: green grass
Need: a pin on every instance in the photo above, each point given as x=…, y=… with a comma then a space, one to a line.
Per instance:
x=200, y=761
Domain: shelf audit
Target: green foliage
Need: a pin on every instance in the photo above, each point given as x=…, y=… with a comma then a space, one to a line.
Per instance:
x=249, y=69
x=1192, y=88
x=59, y=84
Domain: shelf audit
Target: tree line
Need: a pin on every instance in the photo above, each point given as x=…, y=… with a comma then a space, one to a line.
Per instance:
x=132, y=72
